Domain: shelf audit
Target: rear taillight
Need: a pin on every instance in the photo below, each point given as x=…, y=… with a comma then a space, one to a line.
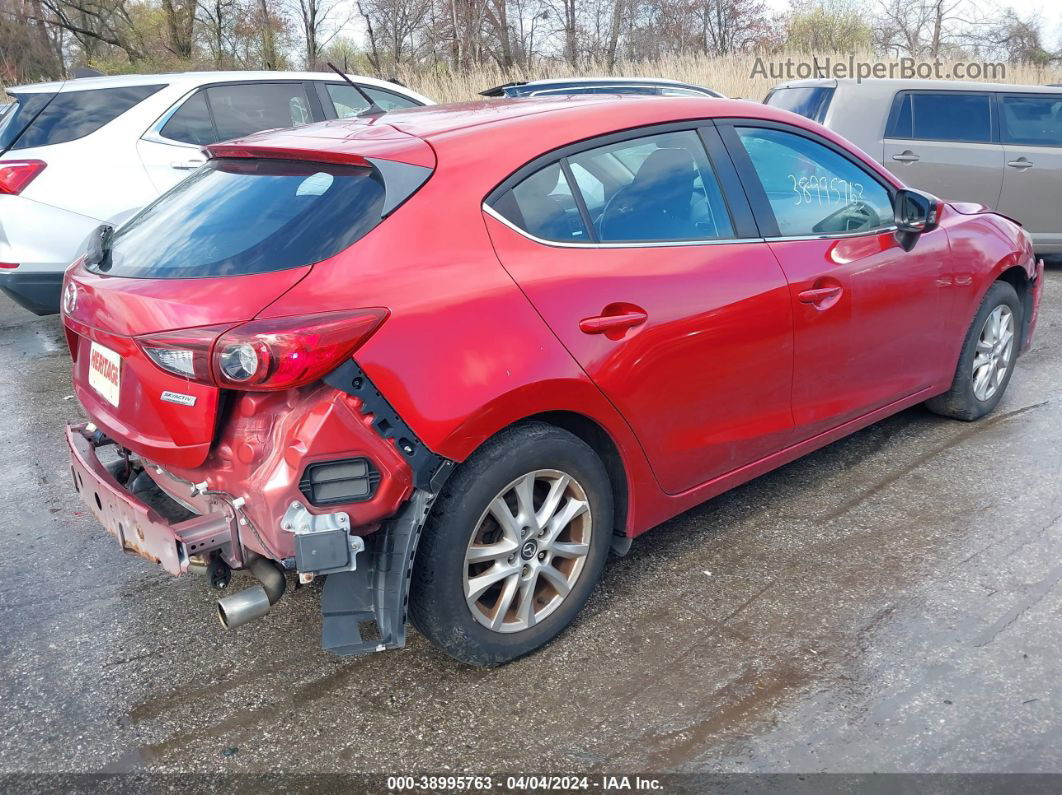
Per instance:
x=280, y=353
x=15, y=175
x=264, y=355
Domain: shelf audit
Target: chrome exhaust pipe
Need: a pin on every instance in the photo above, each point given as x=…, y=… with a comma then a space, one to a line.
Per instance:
x=251, y=603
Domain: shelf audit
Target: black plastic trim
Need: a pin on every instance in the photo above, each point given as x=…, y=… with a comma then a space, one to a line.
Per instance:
x=306, y=482
x=429, y=469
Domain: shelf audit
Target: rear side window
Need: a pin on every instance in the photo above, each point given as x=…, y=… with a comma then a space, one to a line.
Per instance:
x=242, y=109
x=942, y=116
x=18, y=114
x=1032, y=120
x=74, y=114
x=658, y=188
x=811, y=102
x=664, y=190
x=191, y=123
x=238, y=216
x=543, y=205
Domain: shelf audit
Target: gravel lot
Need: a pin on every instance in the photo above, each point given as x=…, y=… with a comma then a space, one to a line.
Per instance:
x=890, y=603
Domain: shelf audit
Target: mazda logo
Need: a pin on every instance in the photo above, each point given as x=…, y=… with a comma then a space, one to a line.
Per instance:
x=528, y=550
x=70, y=298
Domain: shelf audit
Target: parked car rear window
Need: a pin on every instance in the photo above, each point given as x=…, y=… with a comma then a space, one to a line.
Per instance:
x=238, y=216
x=347, y=102
x=942, y=116
x=19, y=113
x=1032, y=120
x=74, y=114
x=813, y=190
x=811, y=102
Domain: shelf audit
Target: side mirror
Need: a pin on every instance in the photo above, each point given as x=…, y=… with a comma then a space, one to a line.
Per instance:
x=914, y=213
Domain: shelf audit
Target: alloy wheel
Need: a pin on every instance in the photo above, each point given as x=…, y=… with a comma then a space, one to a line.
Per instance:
x=527, y=550
x=993, y=354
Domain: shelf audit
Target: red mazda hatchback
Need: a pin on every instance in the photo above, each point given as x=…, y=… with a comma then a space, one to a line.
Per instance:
x=454, y=355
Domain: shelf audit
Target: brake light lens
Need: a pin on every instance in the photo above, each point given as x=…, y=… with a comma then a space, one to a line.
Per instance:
x=15, y=175
x=264, y=355
x=281, y=353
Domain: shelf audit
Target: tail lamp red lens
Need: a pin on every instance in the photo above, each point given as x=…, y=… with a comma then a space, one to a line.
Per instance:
x=15, y=175
x=264, y=355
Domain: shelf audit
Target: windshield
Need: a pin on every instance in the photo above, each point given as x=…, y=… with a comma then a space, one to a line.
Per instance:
x=239, y=216
x=811, y=103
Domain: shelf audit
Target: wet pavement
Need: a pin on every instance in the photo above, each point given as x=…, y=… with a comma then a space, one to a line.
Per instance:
x=890, y=603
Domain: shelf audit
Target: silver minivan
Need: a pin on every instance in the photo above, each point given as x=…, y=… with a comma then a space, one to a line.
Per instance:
x=1000, y=145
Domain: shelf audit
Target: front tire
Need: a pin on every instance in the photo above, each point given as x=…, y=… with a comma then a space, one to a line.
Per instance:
x=987, y=360
x=514, y=545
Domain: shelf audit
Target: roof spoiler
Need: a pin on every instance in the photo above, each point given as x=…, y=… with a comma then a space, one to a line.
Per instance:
x=499, y=91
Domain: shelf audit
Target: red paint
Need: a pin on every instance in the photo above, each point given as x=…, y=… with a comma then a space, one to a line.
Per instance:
x=707, y=365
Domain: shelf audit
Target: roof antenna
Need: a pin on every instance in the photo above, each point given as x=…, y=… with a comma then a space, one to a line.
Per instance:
x=373, y=109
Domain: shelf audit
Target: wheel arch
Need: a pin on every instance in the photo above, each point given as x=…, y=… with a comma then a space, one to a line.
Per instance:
x=579, y=408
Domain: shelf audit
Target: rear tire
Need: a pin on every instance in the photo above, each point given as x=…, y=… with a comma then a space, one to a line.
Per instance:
x=503, y=518
x=987, y=360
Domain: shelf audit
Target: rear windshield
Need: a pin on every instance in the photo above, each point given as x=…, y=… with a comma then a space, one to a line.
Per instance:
x=74, y=114
x=238, y=216
x=17, y=116
x=809, y=102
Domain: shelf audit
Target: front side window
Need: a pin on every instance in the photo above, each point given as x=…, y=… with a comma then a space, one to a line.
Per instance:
x=238, y=216
x=812, y=190
x=74, y=114
x=242, y=109
x=1032, y=120
x=943, y=116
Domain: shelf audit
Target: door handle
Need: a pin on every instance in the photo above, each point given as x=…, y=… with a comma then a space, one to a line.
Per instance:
x=1021, y=164
x=906, y=156
x=821, y=297
x=602, y=324
x=186, y=165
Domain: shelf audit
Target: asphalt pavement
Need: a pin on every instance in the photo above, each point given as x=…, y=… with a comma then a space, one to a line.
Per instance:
x=890, y=603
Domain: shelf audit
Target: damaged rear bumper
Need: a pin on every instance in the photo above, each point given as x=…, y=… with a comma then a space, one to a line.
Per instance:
x=140, y=529
x=366, y=587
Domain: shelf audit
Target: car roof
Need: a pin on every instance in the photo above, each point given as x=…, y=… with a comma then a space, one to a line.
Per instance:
x=514, y=126
x=892, y=85
x=191, y=79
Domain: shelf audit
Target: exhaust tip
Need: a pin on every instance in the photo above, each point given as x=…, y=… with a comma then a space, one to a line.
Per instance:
x=243, y=607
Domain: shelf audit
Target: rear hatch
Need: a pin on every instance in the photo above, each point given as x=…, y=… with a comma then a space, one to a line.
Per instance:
x=144, y=310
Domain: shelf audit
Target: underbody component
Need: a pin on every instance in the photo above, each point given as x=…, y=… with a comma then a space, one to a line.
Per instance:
x=376, y=591
x=323, y=544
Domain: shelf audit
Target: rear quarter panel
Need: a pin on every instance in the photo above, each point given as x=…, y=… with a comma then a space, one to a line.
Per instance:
x=463, y=353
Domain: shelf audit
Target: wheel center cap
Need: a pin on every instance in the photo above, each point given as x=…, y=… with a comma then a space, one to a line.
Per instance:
x=529, y=549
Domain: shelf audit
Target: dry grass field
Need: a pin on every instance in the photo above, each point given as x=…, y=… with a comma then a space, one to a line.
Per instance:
x=731, y=75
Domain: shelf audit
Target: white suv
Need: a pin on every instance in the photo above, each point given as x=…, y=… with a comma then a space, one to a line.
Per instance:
x=77, y=154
